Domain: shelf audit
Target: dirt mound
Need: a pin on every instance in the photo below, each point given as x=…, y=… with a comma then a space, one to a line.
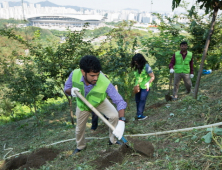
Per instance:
x=32, y=160
x=108, y=158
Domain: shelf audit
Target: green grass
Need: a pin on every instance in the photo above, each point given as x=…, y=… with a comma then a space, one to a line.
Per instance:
x=20, y=112
x=182, y=150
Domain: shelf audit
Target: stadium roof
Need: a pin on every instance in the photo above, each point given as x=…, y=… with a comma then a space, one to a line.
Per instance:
x=76, y=16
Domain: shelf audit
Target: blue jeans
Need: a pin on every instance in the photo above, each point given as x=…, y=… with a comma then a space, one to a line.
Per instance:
x=141, y=101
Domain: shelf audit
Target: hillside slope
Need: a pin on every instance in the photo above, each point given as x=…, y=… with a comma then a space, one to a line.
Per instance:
x=182, y=150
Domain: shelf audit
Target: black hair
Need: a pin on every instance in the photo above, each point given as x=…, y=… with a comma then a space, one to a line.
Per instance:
x=140, y=60
x=90, y=63
x=183, y=43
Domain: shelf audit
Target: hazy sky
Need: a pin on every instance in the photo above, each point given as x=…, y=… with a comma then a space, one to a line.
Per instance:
x=145, y=5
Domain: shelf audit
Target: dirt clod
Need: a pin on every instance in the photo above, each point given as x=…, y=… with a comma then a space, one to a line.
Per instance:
x=145, y=148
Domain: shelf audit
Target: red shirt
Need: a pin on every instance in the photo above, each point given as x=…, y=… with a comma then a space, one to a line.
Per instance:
x=173, y=60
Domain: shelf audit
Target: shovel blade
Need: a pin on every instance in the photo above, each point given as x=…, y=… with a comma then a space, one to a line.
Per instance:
x=168, y=97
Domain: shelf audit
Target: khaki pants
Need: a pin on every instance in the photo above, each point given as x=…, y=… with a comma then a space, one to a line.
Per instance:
x=186, y=79
x=105, y=108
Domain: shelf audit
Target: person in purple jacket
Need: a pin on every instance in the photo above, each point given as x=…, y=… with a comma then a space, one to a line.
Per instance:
x=94, y=86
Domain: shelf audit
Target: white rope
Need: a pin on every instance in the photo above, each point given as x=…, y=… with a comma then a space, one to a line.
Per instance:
x=178, y=130
x=148, y=134
x=7, y=152
x=74, y=139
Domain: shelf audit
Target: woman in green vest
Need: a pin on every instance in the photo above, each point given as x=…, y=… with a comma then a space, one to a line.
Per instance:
x=144, y=77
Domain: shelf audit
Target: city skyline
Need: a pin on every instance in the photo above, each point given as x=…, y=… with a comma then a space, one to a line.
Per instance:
x=142, y=5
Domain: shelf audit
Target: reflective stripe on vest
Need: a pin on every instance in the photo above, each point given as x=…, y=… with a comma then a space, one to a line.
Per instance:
x=182, y=65
x=142, y=78
x=96, y=95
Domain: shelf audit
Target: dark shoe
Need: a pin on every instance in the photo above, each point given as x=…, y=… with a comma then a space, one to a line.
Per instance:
x=187, y=92
x=117, y=143
x=141, y=117
x=76, y=151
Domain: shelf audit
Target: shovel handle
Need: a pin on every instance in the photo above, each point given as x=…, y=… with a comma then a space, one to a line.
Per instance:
x=95, y=110
x=98, y=113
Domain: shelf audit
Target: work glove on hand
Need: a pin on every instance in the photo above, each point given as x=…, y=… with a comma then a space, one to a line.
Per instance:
x=72, y=91
x=118, y=132
x=171, y=70
x=191, y=76
x=147, y=86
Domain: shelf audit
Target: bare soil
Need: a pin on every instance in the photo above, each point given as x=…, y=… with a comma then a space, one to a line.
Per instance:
x=32, y=160
x=108, y=158
x=155, y=106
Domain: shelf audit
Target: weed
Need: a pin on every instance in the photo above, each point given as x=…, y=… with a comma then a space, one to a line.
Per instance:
x=188, y=101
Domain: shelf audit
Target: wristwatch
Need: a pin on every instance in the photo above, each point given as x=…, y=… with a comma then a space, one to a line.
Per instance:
x=122, y=118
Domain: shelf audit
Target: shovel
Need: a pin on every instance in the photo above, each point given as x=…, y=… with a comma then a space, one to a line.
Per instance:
x=168, y=97
x=148, y=151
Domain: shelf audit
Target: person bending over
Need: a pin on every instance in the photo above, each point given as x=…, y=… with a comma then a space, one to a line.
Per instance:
x=95, y=87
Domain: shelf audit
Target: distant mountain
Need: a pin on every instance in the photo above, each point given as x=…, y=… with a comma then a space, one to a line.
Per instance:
x=77, y=8
x=45, y=4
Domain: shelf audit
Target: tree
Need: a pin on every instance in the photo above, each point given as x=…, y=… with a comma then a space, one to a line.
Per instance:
x=116, y=54
x=197, y=26
x=209, y=5
x=26, y=87
x=58, y=60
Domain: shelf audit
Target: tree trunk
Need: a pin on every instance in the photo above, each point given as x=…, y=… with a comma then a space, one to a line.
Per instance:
x=37, y=117
x=71, y=111
x=205, y=51
x=70, y=105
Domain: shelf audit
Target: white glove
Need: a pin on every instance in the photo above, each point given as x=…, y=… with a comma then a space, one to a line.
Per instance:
x=118, y=132
x=147, y=86
x=171, y=70
x=191, y=76
x=72, y=91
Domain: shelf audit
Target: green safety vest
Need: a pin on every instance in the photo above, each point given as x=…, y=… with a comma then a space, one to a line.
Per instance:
x=182, y=65
x=96, y=95
x=142, y=78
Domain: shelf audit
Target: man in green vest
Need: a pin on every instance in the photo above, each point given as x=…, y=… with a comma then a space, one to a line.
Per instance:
x=182, y=66
x=94, y=86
